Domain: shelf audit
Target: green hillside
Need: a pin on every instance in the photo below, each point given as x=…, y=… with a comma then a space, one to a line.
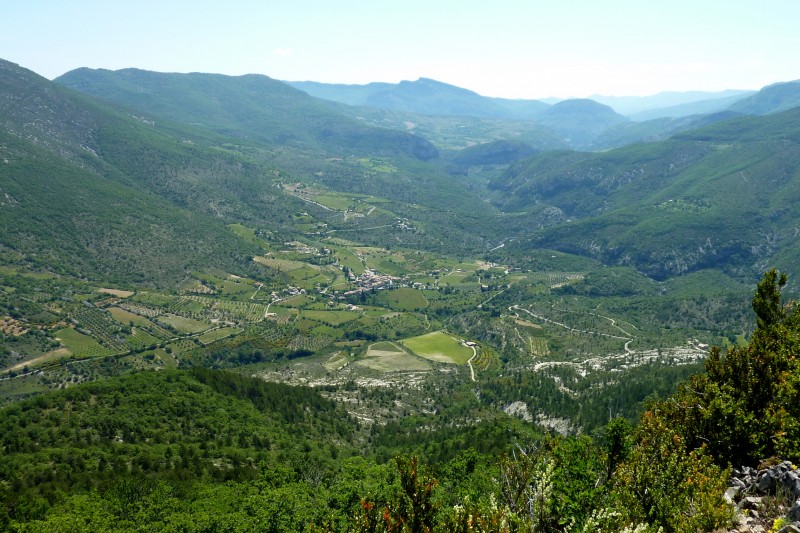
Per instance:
x=771, y=99
x=272, y=130
x=723, y=196
x=72, y=206
x=251, y=106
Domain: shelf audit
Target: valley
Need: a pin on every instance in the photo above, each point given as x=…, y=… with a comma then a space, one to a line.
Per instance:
x=223, y=289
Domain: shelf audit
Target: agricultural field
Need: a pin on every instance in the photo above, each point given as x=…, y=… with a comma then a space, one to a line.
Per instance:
x=403, y=299
x=183, y=324
x=126, y=317
x=555, y=280
x=182, y=345
x=116, y=292
x=389, y=357
x=141, y=339
x=333, y=318
x=439, y=346
x=337, y=361
x=217, y=334
x=81, y=345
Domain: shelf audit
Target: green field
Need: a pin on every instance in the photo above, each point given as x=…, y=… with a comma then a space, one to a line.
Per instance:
x=79, y=344
x=403, y=299
x=183, y=324
x=217, y=334
x=439, y=346
x=334, y=201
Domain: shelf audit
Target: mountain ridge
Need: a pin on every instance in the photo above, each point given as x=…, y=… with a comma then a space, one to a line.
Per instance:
x=238, y=106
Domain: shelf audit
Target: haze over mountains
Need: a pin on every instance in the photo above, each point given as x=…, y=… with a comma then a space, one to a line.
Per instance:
x=625, y=119
x=715, y=191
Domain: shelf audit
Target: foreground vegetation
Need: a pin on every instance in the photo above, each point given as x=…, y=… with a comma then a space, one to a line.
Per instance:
x=236, y=453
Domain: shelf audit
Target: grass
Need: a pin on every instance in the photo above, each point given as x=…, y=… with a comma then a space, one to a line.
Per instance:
x=403, y=299
x=334, y=201
x=385, y=346
x=439, y=346
x=283, y=265
x=348, y=258
x=183, y=324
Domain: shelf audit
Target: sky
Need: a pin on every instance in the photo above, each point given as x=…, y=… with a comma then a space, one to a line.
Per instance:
x=505, y=48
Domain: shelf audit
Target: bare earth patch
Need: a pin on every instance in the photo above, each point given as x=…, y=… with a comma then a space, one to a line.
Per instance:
x=12, y=326
x=525, y=323
x=395, y=362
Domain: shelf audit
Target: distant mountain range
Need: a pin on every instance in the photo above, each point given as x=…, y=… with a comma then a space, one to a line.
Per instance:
x=607, y=124
x=770, y=99
x=657, y=104
x=253, y=106
x=179, y=154
x=425, y=96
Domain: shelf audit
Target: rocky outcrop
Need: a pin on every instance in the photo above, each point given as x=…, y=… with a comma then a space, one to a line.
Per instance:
x=766, y=497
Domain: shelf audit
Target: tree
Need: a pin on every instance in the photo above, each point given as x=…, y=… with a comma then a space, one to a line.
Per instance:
x=747, y=405
x=767, y=299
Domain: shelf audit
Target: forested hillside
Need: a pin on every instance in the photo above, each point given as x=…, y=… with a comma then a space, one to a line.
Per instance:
x=722, y=196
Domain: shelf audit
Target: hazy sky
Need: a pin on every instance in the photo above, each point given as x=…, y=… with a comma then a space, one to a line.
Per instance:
x=515, y=49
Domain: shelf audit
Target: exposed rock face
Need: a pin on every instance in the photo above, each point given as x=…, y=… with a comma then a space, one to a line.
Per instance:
x=765, y=495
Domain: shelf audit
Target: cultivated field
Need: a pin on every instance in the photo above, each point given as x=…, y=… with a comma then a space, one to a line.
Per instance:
x=81, y=345
x=126, y=317
x=403, y=299
x=439, y=346
x=388, y=357
x=183, y=324
x=334, y=318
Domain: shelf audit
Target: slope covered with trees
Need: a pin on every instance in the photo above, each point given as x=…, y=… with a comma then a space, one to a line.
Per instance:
x=703, y=199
